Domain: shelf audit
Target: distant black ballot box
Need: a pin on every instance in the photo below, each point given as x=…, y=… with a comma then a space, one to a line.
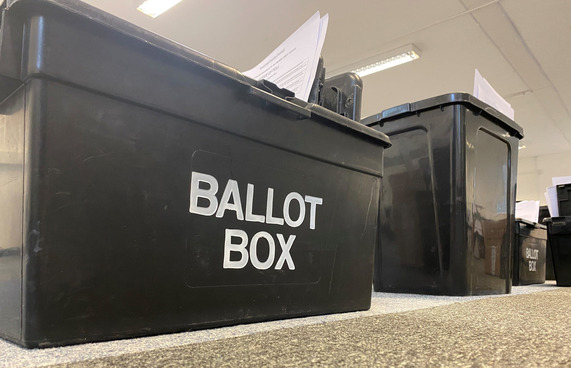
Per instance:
x=448, y=197
x=529, y=252
x=146, y=188
x=559, y=233
x=564, y=199
x=549, y=274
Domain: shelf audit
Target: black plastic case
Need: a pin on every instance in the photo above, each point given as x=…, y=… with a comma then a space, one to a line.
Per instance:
x=559, y=233
x=343, y=94
x=564, y=199
x=549, y=274
x=529, y=263
x=448, y=197
x=145, y=188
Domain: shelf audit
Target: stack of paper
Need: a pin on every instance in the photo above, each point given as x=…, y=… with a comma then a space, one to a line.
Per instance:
x=551, y=194
x=485, y=92
x=294, y=63
x=527, y=210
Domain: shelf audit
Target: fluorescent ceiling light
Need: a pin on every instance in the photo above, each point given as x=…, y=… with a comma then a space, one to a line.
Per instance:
x=522, y=147
x=154, y=8
x=386, y=60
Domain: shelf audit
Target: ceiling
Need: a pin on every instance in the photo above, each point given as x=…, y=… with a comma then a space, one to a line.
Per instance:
x=522, y=47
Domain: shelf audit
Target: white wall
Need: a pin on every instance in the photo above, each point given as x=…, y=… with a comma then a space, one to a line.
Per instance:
x=527, y=180
x=535, y=173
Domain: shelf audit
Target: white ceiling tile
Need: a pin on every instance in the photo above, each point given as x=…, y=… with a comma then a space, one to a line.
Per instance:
x=541, y=134
x=546, y=28
x=450, y=52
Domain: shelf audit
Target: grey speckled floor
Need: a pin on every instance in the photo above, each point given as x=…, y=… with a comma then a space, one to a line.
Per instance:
x=530, y=327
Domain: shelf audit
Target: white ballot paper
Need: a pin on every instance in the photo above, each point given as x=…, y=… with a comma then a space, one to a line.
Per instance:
x=294, y=63
x=560, y=180
x=485, y=92
x=527, y=210
x=551, y=198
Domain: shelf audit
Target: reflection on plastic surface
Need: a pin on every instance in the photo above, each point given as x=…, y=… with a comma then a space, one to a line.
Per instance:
x=409, y=199
x=489, y=208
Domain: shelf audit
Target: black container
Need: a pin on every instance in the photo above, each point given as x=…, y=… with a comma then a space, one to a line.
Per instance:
x=146, y=188
x=448, y=198
x=529, y=253
x=559, y=233
x=549, y=274
x=343, y=94
x=315, y=92
x=543, y=214
x=564, y=199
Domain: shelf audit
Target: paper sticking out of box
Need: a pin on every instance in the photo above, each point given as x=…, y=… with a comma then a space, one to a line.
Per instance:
x=551, y=194
x=561, y=180
x=484, y=91
x=527, y=210
x=551, y=199
x=293, y=64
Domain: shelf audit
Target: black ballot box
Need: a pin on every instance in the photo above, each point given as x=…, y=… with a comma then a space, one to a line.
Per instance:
x=146, y=188
x=559, y=234
x=564, y=199
x=549, y=274
x=448, y=197
x=529, y=251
